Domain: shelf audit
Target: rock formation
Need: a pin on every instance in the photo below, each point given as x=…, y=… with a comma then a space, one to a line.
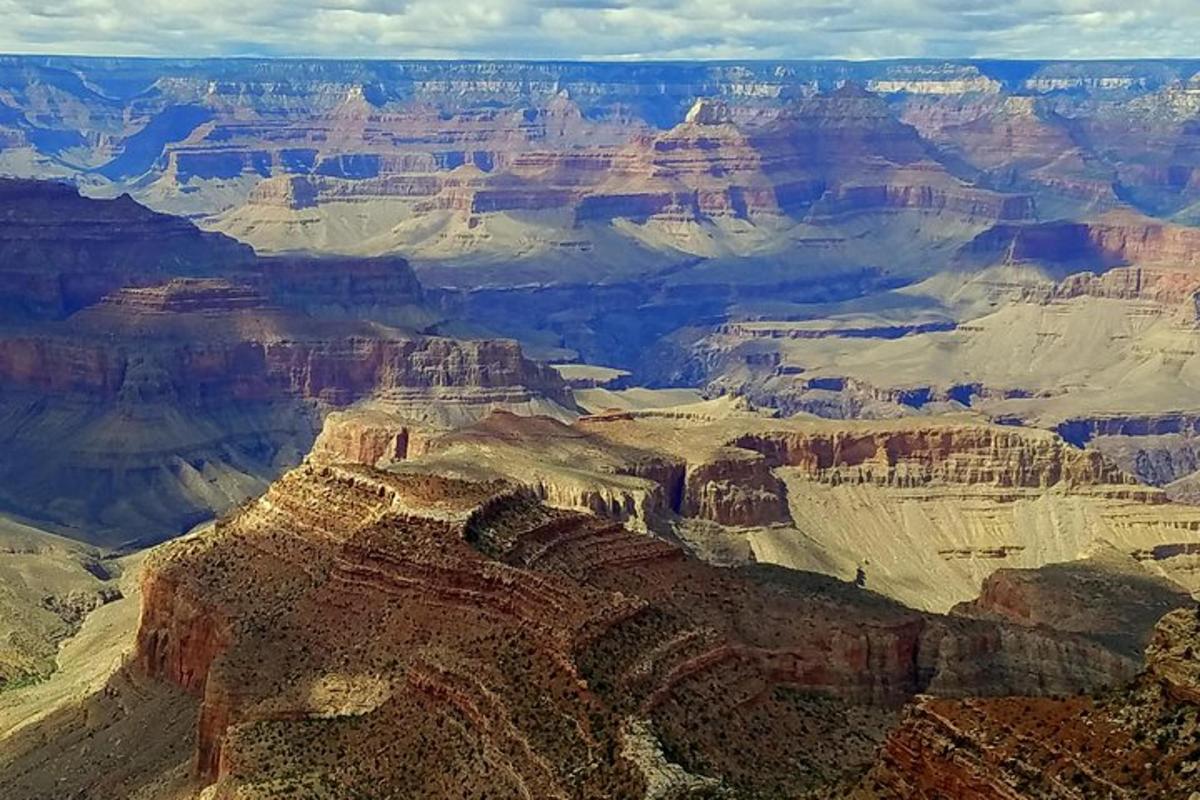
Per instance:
x=184, y=381
x=1083, y=327
x=1137, y=742
x=922, y=509
x=475, y=641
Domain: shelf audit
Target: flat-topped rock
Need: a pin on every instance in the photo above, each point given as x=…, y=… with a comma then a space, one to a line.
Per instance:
x=186, y=296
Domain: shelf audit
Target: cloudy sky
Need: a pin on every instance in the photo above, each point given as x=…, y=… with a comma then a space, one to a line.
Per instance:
x=605, y=28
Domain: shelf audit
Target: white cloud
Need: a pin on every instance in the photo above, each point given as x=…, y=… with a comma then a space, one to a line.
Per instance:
x=604, y=28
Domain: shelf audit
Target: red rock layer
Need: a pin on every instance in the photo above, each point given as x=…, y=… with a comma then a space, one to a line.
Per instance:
x=1140, y=742
x=239, y=354
x=844, y=149
x=972, y=454
x=1114, y=239
x=426, y=620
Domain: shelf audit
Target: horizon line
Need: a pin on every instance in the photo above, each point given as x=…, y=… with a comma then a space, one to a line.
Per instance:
x=612, y=59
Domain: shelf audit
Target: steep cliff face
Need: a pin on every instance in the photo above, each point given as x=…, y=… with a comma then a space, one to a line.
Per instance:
x=370, y=437
x=208, y=339
x=543, y=637
x=192, y=395
x=1138, y=741
x=60, y=252
x=1018, y=142
x=190, y=372
x=429, y=158
x=1107, y=596
x=1113, y=239
x=967, y=454
x=698, y=188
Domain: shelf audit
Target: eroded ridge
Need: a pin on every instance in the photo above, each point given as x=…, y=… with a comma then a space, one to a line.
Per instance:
x=462, y=639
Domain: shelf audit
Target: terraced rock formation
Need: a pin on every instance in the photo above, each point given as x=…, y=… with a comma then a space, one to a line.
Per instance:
x=921, y=509
x=474, y=641
x=1085, y=328
x=152, y=375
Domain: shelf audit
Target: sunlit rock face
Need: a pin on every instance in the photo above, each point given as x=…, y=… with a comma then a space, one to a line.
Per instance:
x=353, y=608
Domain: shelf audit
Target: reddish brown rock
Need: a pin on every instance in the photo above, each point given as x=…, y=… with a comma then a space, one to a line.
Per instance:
x=1109, y=597
x=1111, y=240
x=1136, y=742
x=375, y=611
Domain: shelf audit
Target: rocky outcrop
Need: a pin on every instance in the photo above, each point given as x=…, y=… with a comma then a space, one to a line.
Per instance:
x=734, y=487
x=910, y=192
x=1027, y=748
x=1168, y=287
x=968, y=454
x=370, y=608
x=196, y=394
x=1171, y=655
x=63, y=252
x=373, y=438
x=1108, y=596
x=253, y=354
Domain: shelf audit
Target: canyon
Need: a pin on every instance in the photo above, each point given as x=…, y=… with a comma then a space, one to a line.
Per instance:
x=557, y=653
x=164, y=392
x=523, y=429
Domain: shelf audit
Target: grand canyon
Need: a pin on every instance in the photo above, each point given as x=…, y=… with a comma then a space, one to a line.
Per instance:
x=566, y=429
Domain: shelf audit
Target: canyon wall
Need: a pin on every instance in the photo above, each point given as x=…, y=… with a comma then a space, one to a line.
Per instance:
x=1024, y=747
x=465, y=585
x=163, y=373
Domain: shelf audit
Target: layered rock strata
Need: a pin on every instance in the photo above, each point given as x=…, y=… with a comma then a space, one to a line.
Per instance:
x=430, y=621
x=194, y=394
x=187, y=372
x=1136, y=742
x=920, y=509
